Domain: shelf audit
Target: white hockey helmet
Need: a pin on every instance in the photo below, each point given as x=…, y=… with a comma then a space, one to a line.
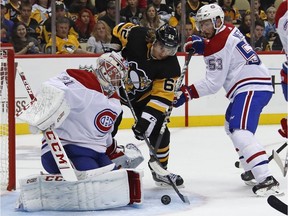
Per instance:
x=111, y=70
x=212, y=12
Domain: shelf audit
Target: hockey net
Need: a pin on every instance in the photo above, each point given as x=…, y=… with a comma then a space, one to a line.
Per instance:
x=7, y=118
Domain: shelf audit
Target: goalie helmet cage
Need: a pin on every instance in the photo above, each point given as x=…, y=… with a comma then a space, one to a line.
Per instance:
x=7, y=118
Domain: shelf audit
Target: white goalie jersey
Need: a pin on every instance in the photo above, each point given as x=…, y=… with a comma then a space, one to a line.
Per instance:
x=83, y=93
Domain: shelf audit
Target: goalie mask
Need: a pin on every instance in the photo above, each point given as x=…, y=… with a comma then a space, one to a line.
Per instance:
x=111, y=71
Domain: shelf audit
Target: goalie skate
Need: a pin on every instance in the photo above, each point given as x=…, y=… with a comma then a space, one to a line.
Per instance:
x=270, y=186
x=248, y=178
x=163, y=181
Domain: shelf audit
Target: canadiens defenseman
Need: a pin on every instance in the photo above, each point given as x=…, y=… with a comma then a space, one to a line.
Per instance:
x=233, y=64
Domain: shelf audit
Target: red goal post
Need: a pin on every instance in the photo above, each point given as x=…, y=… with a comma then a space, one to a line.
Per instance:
x=7, y=119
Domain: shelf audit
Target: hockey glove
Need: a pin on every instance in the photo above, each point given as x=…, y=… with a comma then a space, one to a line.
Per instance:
x=182, y=96
x=144, y=125
x=194, y=44
x=283, y=131
x=284, y=79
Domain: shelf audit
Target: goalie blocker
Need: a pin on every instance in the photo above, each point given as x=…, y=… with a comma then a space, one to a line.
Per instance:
x=52, y=192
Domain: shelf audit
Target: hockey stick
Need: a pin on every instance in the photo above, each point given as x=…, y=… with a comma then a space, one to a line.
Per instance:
x=238, y=164
x=57, y=150
x=278, y=161
x=168, y=112
x=154, y=161
x=277, y=204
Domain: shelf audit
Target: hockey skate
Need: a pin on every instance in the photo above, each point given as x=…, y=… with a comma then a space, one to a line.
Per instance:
x=163, y=181
x=248, y=178
x=270, y=186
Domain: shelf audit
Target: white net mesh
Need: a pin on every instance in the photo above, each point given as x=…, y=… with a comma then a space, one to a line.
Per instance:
x=5, y=131
x=4, y=119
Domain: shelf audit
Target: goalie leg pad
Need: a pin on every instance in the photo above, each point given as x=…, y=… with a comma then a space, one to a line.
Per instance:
x=129, y=157
x=109, y=190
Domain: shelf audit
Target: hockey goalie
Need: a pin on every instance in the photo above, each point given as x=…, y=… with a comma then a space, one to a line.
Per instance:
x=76, y=111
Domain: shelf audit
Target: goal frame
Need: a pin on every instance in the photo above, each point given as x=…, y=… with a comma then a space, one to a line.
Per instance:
x=11, y=181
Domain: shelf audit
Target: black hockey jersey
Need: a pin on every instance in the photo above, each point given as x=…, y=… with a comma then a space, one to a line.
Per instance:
x=151, y=82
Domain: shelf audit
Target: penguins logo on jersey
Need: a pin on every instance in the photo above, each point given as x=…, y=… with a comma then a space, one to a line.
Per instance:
x=104, y=120
x=137, y=79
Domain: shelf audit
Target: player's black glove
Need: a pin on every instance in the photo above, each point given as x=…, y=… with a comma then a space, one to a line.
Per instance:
x=144, y=125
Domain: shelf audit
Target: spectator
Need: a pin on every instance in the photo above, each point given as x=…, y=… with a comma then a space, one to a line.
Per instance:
x=142, y=4
x=110, y=17
x=192, y=6
x=100, y=8
x=265, y=4
x=65, y=43
x=78, y=5
x=277, y=43
x=3, y=34
x=131, y=13
x=12, y=9
x=261, y=44
x=230, y=10
x=228, y=20
x=270, y=27
x=60, y=12
x=41, y=10
x=245, y=24
x=22, y=42
x=189, y=29
x=175, y=20
x=100, y=39
x=84, y=25
x=259, y=13
x=151, y=18
x=6, y=25
x=163, y=10
x=33, y=28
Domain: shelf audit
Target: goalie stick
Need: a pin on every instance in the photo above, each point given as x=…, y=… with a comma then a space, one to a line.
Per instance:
x=238, y=164
x=56, y=147
x=154, y=161
x=277, y=204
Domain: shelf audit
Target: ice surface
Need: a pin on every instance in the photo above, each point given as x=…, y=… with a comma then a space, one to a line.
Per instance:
x=203, y=156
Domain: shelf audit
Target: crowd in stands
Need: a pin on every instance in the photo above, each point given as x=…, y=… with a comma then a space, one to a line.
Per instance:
x=85, y=26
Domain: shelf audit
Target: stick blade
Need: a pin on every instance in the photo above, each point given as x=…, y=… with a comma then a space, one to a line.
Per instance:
x=277, y=204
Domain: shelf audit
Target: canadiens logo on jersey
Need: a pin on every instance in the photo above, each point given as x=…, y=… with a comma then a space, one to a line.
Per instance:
x=104, y=120
x=137, y=79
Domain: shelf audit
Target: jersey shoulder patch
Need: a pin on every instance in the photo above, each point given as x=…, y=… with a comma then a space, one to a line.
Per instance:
x=218, y=42
x=86, y=78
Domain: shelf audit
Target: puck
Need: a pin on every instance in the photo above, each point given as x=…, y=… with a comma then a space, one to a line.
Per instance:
x=165, y=199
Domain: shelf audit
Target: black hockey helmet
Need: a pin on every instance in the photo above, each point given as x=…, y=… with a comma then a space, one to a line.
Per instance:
x=168, y=35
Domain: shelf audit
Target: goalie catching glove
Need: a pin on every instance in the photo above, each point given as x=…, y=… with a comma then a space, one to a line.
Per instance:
x=144, y=126
x=50, y=109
